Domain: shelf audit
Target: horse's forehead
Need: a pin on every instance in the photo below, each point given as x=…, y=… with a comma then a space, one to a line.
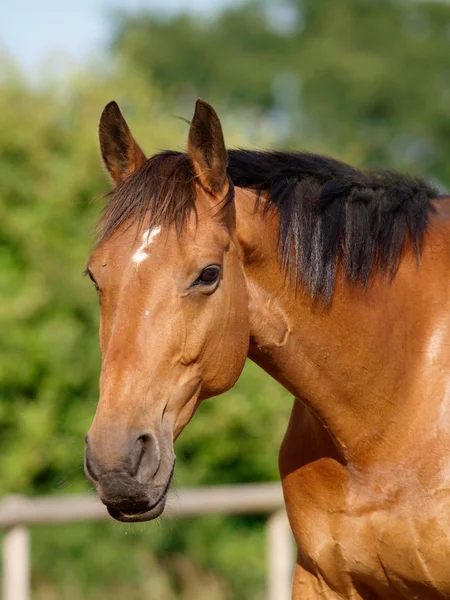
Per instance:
x=147, y=238
x=140, y=242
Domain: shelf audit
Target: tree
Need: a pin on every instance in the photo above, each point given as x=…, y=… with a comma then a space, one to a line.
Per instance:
x=368, y=81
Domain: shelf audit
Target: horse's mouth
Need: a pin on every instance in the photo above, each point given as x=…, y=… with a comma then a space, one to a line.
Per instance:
x=138, y=516
x=143, y=514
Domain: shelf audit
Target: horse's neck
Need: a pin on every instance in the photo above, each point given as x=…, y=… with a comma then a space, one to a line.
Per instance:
x=367, y=365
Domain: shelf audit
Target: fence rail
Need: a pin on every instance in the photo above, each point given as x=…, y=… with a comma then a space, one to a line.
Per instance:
x=18, y=512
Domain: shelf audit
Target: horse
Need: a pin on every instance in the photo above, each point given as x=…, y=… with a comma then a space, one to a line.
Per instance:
x=336, y=282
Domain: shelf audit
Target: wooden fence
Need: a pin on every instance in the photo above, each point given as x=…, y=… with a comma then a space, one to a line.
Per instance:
x=17, y=513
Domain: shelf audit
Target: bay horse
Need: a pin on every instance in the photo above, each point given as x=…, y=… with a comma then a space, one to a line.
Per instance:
x=336, y=282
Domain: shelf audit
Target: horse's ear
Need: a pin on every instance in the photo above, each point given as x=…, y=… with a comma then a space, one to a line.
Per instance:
x=206, y=148
x=120, y=153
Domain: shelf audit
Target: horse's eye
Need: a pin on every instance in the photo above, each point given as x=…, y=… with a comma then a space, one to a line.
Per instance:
x=91, y=277
x=209, y=276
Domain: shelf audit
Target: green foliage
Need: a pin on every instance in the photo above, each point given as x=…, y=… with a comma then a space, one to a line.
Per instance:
x=368, y=81
x=195, y=559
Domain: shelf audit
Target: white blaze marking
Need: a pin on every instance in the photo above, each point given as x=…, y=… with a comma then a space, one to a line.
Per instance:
x=147, y=239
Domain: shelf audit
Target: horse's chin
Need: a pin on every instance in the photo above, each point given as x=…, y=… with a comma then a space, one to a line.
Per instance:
x=130, y=516
x=143, y=513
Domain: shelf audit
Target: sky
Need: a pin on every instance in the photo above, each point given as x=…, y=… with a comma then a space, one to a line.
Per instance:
x=36, y=32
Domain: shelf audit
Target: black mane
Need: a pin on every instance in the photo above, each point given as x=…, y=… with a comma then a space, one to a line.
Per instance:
x=330, y=213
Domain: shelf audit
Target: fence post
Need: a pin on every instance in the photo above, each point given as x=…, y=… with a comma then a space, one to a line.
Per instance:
x=16, y=563
x=279, y=557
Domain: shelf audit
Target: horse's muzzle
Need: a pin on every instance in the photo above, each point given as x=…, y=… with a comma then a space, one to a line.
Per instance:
x=133, y=480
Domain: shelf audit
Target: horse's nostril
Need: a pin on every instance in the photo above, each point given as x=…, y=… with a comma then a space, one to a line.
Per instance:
x=144, y=438
x=135, y=457
x=146, y=455
x=88, y=469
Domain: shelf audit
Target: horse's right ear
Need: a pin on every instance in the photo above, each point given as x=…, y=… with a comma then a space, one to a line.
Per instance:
x=120, y=153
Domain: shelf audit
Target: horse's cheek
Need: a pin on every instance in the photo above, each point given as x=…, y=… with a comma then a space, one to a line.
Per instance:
x=230, y=346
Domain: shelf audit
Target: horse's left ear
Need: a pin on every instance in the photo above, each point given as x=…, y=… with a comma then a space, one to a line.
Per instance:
x=120, y=152
x=206, y=148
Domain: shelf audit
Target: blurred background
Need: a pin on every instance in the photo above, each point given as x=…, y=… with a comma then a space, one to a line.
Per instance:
x=367, y=81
